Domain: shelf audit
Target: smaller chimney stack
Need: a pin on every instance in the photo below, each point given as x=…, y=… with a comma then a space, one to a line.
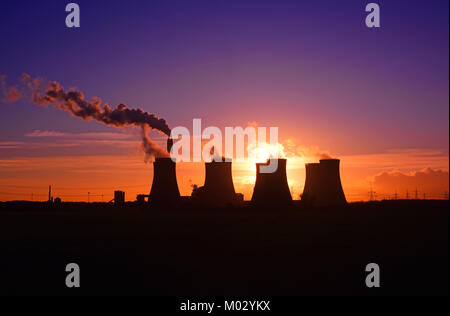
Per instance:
x=50, y=198
x=169, y=144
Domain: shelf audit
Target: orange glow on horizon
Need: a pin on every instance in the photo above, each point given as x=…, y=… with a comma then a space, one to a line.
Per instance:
x=72, y=177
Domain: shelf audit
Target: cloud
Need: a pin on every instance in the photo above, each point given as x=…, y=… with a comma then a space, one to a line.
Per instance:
x=37, y=145
x=8, y=94
x=39, y=133
x=308, y=153
x=13, y=95
x=92, y=135
x=11, y=145
x=38, y=140
x=28, y=146
x=431, y=181
x=404, y=160
x=253, y=124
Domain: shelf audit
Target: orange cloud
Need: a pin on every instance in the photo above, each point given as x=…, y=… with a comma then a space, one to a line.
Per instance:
x=94, y=135
x=429, y=181
x=13, y=95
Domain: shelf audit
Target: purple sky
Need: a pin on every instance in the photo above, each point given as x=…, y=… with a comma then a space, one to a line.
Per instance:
x=312, y=68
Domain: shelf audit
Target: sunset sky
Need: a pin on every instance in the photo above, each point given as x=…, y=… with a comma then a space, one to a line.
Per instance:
x=378, y=99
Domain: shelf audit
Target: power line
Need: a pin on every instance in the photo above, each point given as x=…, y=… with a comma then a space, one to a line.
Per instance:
x=372, y=195
x=75, y=188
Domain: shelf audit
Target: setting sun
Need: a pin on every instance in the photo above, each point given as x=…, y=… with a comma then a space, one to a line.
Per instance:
x=263, y=151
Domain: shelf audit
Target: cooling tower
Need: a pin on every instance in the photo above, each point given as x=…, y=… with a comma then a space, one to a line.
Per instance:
x=164, y=187
x=331, y=190
x=272, y=188
x=311, y=183
x=323, y=184
x=218, y=189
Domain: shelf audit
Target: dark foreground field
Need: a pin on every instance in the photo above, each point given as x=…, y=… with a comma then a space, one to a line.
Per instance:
x=135, y=250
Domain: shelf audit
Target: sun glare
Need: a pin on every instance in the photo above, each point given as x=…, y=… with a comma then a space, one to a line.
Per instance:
x=263, y=151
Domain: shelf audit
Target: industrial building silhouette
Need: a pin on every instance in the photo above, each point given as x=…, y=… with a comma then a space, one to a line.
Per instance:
x=164, y=187
x=272, y=188
x=218, y=189
x=323, y=184
x=322, y=188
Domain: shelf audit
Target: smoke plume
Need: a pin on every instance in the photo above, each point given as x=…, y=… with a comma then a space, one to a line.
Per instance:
x=309, y=153
x=8, y=94
x=74, y=102
x=150, y=148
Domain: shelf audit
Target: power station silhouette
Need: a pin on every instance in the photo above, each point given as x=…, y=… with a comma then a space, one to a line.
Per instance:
x=164, y=187
x=323, y=184
x=272, y=188
x=218, y=189
x=322, y=188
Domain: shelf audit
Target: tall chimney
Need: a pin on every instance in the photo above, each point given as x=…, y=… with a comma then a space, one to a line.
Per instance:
x=218, y=189
x=169, y=144
x=50, y=198
x=272, y=188
x=164, y=187
x=323, y=184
